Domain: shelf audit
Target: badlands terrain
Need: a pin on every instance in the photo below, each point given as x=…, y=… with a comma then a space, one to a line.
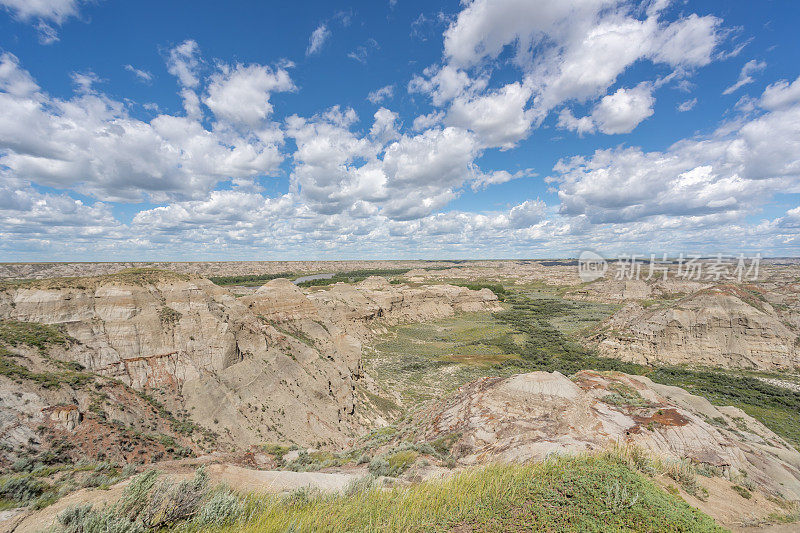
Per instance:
x=408, y=395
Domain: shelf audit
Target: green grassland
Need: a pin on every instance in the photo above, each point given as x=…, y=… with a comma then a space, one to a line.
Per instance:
x=423, y=360
x=603, y=492
x=593, y=493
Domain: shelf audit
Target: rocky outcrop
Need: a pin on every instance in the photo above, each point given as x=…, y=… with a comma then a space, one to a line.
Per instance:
x=274, y=365
x=623, y=290
x=71, y=415
x=528, y=416
x=375, y=301
x=726, y=327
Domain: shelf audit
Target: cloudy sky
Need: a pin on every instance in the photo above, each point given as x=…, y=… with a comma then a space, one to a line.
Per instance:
x=397, y=129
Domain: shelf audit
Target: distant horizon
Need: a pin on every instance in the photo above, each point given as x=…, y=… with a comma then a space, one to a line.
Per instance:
x=454, y=260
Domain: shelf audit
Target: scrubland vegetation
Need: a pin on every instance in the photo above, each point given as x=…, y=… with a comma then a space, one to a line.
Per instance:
x=581, y=493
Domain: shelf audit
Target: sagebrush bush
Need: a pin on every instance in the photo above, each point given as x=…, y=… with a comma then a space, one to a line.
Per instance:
x=147, y=504
x=22, y=488
x=85, y=519
x=221, y=509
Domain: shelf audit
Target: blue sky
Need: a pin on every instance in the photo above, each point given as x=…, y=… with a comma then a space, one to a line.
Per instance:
x=312, y=130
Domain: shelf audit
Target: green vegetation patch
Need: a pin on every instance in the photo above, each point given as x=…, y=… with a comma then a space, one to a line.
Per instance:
x=423, y=360
x=250, y=280
x=48, y=380
x=778, y=408
x=130, y=276
x=586, y=493
x=496, y=288
x=354, y=276
x=15, y=333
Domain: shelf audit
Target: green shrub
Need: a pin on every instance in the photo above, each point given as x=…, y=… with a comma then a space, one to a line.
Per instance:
x=222, y=508
x=15, y=332
x=85, y=519
x=743, y=492
x=22, y=489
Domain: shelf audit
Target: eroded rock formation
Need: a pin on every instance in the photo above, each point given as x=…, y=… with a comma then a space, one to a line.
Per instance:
x=275, y=365
x=528, y=416
x=722, y=326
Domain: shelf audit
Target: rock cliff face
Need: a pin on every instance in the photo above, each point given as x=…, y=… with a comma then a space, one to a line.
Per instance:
x=375, y=302
x=528, y=416
x=272, y=366
x=716, y=327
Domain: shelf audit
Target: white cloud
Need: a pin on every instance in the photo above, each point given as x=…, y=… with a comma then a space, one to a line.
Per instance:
x=183, y=63
x=745, y=76
x=240, y=94
x=781, y=94
x=622, y=111
x=30, y=220
x=423, y=122
x=379, y=95
x=565, y=52
x=718, y=178
x=361, y=53
x=47, y=33
x=526, y=214
x=498, y=118
x=45, y=12
x=56, y=11
x=317, y=39
x=497, y=177
x=616, y=113
x=403, y=176
x=142, y=75
x=14, y=80
x=582, y=126
x=444, y=84
x=84, y=81
x=91, y=144
x=384, y=129
x=687, y=105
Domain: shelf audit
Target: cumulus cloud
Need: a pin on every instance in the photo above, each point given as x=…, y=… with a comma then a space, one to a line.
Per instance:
x=721, y=177
x=183, y=62
x=619, y=112
x=384, y=129
x=565, y=52
x=358, y=187
x=423, y=122
x=745, y=76
x=30, y=220
x=91, y=144
x=244, y=221
x=498, y=118
x=317, y=39
x=379, y=95
x=240, y=94
x=403, y=176
x=56, y=11
x=497, y=177
x=781, y=95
